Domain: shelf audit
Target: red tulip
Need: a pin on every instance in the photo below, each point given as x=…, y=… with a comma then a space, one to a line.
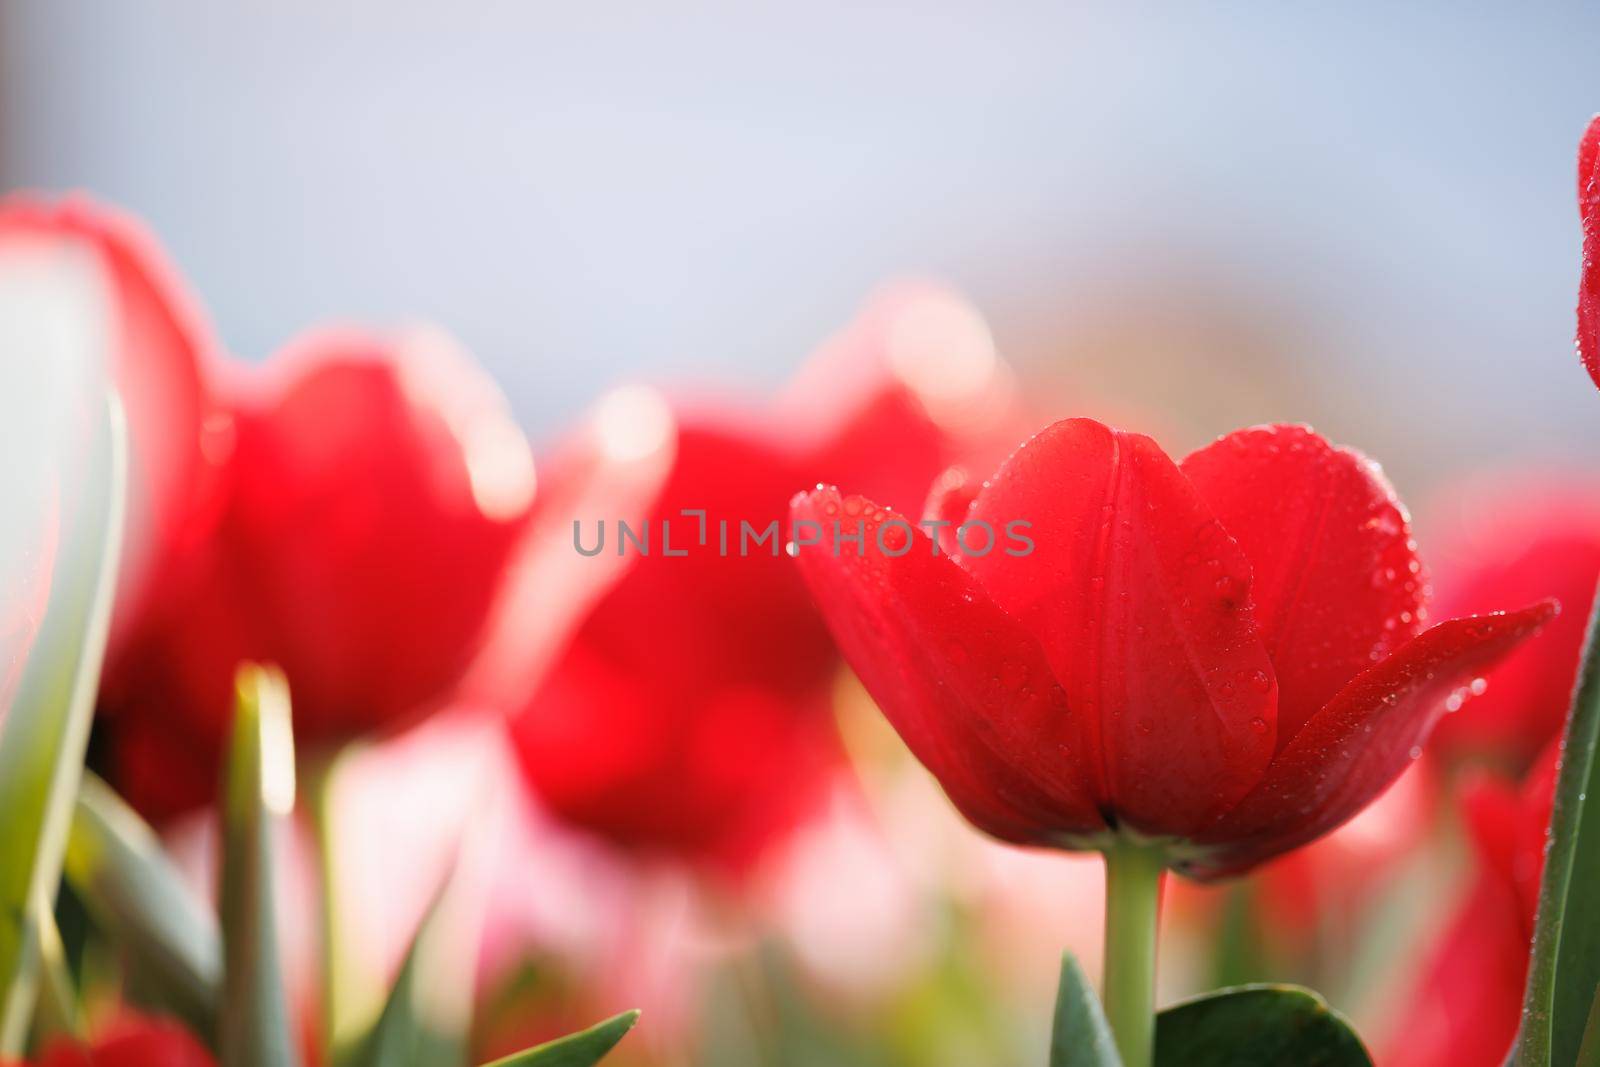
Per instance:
x=376, y=490
x=1225, y=656
x=1467, y=1000
x=688, y=714
x=131, y=1042
x=1511, y=540
x=1589, y=278
x=161, y=350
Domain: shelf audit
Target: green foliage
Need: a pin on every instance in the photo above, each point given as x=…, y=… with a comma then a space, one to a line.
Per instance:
x=1080, y=1037
x=582, y=1049
x=116, y=865
x=253, y=1028
x=47, y=727
x=1257, y=1025
x=1565, y=968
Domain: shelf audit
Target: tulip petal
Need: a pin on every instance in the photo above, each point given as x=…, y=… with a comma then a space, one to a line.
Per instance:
x=1338, y=586
x=1589, y=280
x=1359, y=743
x=964, y=684
x=1140, y=600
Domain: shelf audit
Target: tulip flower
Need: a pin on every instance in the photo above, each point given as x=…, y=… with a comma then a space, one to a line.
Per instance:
x=1196, y=666
x=1467, y=998
x=1512, y=539
x=376, y=487
x=688, y=715
x=131, y=1042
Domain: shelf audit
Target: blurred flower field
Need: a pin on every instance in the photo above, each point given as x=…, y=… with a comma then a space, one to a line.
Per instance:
x=907, y=714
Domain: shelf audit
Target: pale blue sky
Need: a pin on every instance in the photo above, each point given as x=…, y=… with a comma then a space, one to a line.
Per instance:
x=587, y=193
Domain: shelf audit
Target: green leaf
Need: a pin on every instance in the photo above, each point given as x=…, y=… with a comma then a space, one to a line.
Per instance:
x=1565, y=968
x=1257, y=1024
x=1589, y=1050
x=582, y=1049
x=1081, y=1037
x=253, y=1029
x=56, y=1014
x=47, y=728
x=429, y=1011
x=119, y=870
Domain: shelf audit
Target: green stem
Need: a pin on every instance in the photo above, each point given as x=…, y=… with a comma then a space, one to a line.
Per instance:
x=336, y=976
x=1133, y=895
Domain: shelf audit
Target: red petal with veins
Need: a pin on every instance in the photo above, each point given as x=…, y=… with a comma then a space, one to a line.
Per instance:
x=1360, y=742
x=964, y=684
x=1141, y=602
x=1338, y=586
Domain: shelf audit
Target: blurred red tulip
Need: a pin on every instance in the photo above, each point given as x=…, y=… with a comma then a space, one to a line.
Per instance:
x=688, y=715
x=1467, y=1000
x=376, y=489
x=1224, y=655
x=1589, y=278
x=161, y=351
x=1513, y=539
x=131, y=1042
